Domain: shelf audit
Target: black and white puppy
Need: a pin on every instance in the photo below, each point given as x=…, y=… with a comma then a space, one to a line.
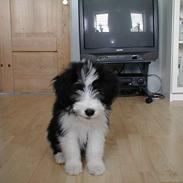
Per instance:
x=84, y=94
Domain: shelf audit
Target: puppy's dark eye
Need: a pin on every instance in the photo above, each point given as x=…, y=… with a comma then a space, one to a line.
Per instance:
x=95, y=85
x=78, y=86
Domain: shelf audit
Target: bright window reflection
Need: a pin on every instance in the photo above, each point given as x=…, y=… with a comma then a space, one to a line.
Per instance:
x=137, y=22
x=101, y=22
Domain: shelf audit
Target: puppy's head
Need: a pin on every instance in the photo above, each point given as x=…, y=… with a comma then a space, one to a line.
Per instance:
x=86, y=90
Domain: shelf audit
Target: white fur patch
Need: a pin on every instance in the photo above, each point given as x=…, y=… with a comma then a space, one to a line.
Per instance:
x=81, y=127
x=59, y=158
x=73, y=167
x=96, y=167
x=79, y=131
x=90, y=76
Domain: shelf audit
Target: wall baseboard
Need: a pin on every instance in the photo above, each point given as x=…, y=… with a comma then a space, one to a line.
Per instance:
x=176, y=97
x=27, y=94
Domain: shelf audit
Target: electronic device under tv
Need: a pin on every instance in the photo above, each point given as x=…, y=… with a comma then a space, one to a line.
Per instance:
x=119, y=30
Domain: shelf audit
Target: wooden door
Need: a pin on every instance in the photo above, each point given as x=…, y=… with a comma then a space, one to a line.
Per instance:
x=34, y=43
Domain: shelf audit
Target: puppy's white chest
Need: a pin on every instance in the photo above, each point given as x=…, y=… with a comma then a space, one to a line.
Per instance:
x=81, y=129
x=82, y=134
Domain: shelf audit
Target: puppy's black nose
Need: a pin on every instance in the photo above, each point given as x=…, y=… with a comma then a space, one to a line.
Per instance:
x=89, y=112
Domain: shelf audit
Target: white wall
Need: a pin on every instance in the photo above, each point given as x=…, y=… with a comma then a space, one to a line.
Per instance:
x=166, y=47
x=161, y=66
x=75, y=53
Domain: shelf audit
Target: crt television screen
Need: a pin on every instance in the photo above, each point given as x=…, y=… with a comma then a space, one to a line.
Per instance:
x=118, y=23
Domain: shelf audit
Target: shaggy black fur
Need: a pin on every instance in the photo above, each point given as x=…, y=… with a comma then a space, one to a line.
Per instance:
x=66, y=85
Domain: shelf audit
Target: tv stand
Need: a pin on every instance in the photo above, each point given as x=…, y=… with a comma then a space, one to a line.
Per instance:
x=133, y=82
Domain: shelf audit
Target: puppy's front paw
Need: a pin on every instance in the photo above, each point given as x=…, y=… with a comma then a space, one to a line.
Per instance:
x=59, y=158
x=96, y=167
x=73, y=167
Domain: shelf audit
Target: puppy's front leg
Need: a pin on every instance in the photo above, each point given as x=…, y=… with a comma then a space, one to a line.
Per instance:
x=71, y=150
x=95, y=148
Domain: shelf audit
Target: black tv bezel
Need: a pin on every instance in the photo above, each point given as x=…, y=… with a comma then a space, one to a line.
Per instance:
x=112, y=51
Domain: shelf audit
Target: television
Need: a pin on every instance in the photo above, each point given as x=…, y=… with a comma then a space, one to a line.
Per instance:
x=119, y=30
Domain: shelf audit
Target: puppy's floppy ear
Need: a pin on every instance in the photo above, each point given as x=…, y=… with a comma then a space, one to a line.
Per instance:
x=63, y=87
x=111, y=90
x=108, y=85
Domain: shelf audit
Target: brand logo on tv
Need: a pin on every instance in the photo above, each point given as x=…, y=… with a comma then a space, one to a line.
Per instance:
x=119, y=50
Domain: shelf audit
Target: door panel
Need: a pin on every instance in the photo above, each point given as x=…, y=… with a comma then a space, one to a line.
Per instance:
x=34, y=25
x=36, y=33
x=34, y=70
x=33, y=84
x=6, y=67
x=34, y=44
x=34, y=16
